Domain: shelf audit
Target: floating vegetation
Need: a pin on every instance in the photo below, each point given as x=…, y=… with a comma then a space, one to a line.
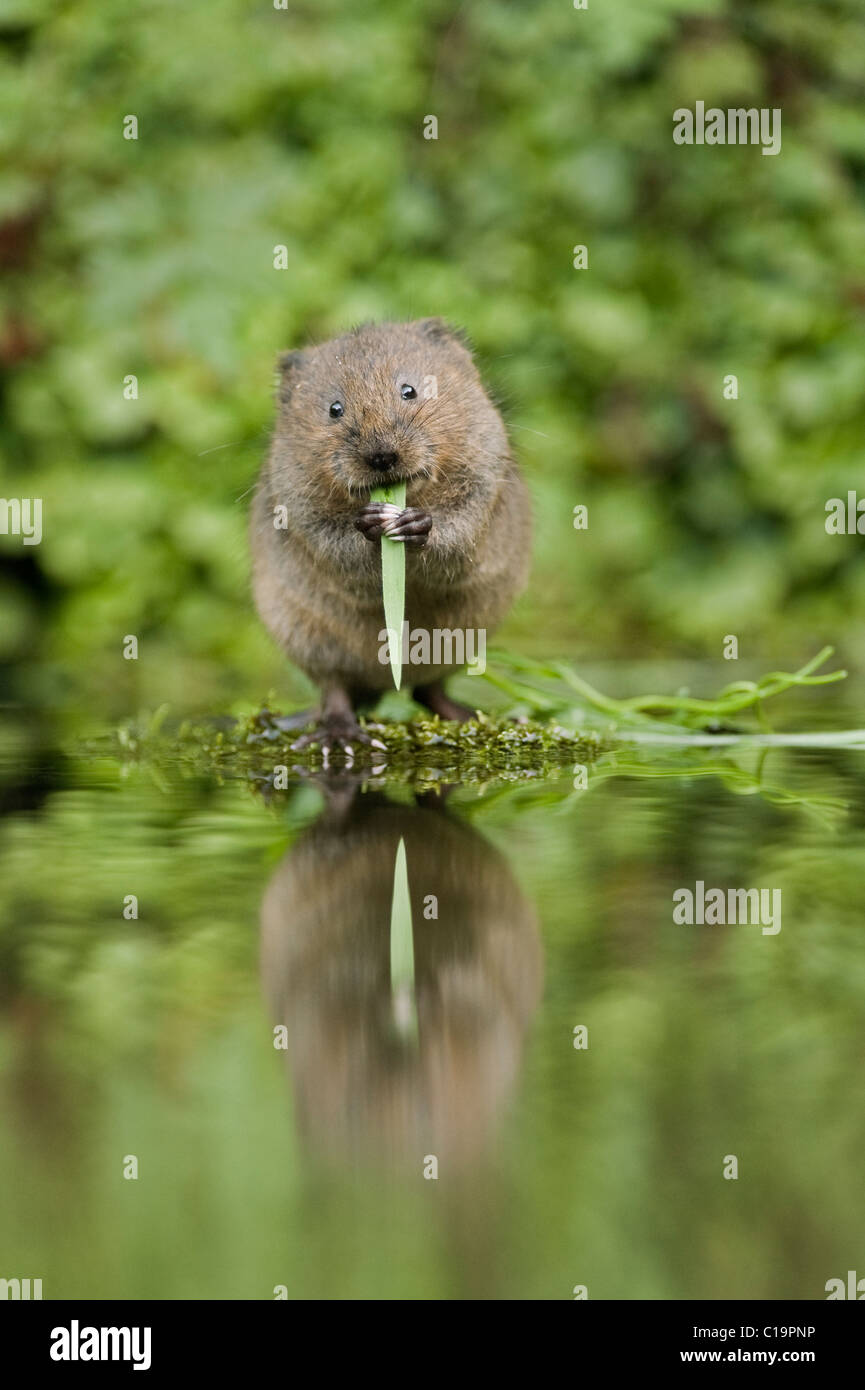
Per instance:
x=431, y=755
x=428, y=752
x=421, y=752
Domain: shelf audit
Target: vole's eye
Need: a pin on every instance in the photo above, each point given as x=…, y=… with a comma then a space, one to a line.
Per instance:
x=336, y=410
x=408, y=393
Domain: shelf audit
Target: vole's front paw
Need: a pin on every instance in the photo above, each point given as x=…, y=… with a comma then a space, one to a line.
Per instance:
x=412, y=526
x=372, y=519
x=377, y=519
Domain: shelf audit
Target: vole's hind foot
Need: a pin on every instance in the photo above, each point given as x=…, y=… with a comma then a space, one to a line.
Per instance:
x=434, y=698
x=411, y=525
x=338, y=733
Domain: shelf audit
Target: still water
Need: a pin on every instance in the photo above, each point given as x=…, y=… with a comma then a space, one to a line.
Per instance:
x=147, y=1044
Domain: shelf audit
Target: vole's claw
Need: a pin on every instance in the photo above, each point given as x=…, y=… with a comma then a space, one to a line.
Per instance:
x=412, y=526
x=373, y=518
x=337, y=736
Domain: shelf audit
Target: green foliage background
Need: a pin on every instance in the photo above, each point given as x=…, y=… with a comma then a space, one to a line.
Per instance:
x=304, y=127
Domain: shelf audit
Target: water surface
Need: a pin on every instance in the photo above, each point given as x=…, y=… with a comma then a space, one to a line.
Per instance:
x=536, y=909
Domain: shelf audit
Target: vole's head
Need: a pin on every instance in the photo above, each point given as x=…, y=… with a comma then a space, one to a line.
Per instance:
x=387, y=403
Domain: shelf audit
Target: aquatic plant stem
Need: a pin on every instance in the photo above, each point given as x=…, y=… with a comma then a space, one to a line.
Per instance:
x=733, y=700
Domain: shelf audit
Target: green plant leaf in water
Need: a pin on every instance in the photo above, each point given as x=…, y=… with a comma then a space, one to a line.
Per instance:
x=402, y=951
x=393, y=579
x=550, y=689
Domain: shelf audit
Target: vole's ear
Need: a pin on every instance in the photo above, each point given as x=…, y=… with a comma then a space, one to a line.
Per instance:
x=440, y=331
x=287, y=366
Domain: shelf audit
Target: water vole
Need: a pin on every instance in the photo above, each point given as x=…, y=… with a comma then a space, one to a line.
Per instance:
x=385, y=403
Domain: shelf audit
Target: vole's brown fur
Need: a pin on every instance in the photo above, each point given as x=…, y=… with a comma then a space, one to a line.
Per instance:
x=466, y=527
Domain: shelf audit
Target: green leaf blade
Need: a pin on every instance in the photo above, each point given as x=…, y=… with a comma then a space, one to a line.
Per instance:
x=393, y=579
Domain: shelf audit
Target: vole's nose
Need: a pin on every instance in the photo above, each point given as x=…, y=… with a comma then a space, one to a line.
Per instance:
x=382, y=460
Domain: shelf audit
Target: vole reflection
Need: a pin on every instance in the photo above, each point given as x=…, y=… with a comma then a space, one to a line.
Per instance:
x=366, y=1089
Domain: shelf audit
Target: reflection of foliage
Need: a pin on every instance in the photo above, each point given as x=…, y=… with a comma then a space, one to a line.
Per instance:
x=735, y=778
x=303, y=127
x=742, y=772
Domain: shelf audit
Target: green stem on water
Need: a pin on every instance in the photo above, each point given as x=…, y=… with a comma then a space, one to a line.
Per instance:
x=733, y=700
